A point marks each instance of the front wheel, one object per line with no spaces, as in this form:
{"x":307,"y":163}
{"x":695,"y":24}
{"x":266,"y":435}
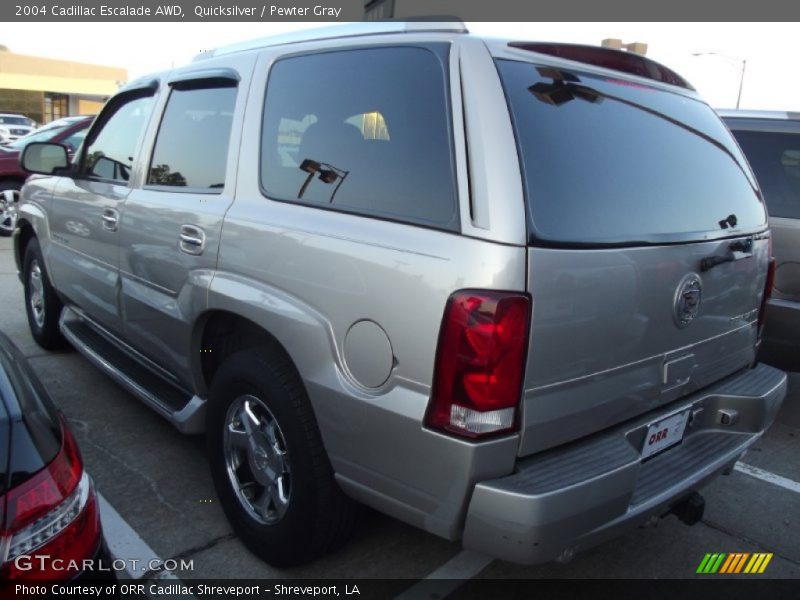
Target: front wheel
{"x":268,"y":462}
{"x":42,"y":305}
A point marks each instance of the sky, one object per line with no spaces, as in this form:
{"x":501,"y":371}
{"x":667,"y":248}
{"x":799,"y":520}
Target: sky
{"x":767,"y":48}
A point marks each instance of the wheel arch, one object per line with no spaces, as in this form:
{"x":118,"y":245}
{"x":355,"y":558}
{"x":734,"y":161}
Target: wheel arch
{"x":218,"y":334}
{"x":22,"y":238}
{"x":18,"y":180}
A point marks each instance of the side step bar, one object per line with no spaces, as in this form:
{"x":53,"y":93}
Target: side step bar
{"x":179,"y":407}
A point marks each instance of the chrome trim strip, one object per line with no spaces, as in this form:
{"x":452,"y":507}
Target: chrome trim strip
{"x":637,"y":362}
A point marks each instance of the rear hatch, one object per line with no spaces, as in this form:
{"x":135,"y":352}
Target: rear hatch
{"x":648,"y":249}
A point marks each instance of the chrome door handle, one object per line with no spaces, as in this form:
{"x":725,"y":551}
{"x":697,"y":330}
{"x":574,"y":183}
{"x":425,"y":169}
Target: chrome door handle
{"x":110,"y":219}
{"x":192,"y":239}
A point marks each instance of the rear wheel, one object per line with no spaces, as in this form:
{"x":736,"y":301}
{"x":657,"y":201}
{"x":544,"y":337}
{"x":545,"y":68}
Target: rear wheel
{"x":9,"y":201}
{"x":268,"y":462}
{"x":42,"y":305}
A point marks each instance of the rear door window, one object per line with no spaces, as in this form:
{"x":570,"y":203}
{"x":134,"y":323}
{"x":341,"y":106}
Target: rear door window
{"x":608,"y":161}
{"x":775,"y":158}
{"x":191,"y":150}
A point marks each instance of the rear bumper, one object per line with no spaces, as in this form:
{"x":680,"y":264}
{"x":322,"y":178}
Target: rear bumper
{"x":581,"y":494}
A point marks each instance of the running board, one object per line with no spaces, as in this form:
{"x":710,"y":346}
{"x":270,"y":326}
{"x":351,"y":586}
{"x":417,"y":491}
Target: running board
{"x":179,"y":407}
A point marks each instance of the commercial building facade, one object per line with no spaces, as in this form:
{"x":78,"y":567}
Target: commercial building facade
{"x":46,"y":89}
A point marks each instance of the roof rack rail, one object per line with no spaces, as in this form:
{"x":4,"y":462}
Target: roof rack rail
{"x":445,"y":25}
{"x":625,"y":62}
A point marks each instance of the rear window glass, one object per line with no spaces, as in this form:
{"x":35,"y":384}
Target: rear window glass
{"x":41,"y":441}
{"x":775,"y":158}
{"x":614,"y":162}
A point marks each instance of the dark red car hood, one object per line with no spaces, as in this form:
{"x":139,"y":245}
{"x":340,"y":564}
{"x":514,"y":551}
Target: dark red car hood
{"x":9,"y":164}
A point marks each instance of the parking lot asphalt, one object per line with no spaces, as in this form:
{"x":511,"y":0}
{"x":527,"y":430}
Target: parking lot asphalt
{"x":158,"y":482}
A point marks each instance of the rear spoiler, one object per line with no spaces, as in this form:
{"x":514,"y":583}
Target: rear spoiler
{"x":616,"y":60}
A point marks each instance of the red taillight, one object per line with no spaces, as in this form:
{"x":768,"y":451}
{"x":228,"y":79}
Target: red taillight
{"x":480,"y":363}
{"x":54,"y":513}
{"x":768,"y":285}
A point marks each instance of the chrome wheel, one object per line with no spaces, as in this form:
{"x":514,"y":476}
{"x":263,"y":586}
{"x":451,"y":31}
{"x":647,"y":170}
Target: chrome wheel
{"x":9,"y":199}
{"x":36,"y":298}
{"x":257,"y":460}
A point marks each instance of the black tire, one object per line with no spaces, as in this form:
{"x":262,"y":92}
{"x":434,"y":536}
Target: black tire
{"x":318,"y":517}
{"x":8,"y":188}
{"x":44,"y":325}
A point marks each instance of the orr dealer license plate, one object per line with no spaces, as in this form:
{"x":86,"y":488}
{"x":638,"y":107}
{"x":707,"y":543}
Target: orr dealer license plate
{"x":664,"y":433}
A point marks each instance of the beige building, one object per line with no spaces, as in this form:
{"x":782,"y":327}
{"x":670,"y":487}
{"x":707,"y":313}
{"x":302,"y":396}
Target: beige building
{"x":45,"y":89}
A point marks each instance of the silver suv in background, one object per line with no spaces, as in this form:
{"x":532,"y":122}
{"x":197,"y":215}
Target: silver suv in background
{"x":771,"y":142}
{"x":508,"y":292}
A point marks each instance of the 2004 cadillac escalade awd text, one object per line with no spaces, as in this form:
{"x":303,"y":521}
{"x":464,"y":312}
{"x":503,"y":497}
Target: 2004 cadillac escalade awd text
{"x":508,"y":292}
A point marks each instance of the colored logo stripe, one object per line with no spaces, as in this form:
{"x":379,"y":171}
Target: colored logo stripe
{"x":741,"y":563}
{"x":732,"y":558}
{"x":723,"y":563}
{"x":758,"y":563}
{"x":711,"y":563}
{"x":734,"y":563}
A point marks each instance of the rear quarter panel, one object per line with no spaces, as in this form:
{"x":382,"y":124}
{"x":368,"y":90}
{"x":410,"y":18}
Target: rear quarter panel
{"x":308,"y":276}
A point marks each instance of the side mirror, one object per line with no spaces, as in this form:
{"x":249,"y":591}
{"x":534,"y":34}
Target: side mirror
{"x":44,"y":158}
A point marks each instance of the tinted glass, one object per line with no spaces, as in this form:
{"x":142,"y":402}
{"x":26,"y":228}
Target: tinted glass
{"x":9,"y":120}
{"x":192,"y":145}
{"x":609,"y":161}
{"x":110,"y":155}
{"x":775,"y":158}
{"x":43,"y":135}
{"x":74,"y":141}
{"x":36,"y":440}
{"x":363,"y":131}
{"x":5,"y":441}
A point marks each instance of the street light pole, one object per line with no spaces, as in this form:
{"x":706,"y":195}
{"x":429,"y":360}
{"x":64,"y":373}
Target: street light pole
{"x":743,"y":62}
{"x":741,"y":83}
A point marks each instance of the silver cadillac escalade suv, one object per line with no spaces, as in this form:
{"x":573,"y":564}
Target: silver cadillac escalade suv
{"x":508,"y":292}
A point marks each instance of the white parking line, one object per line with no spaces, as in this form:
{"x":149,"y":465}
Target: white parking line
{"x":449,"y":577}
{"x":125,"y":544}
{"x":772,"y":478}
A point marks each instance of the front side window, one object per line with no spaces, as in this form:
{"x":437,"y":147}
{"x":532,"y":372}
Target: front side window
{"x":364,"y":131}
{"x":191,"y":149}
{"x":110,"y":154}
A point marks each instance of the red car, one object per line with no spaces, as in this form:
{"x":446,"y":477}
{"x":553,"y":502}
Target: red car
{"x":68,"y":131}
{"x":50,"y":519}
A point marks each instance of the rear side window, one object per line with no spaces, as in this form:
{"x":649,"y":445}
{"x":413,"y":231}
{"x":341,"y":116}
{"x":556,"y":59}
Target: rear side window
{"x":364,"y":131}
{"x":775,"y":158}
{"x":191,"y":149}
{"x":614,"y":162}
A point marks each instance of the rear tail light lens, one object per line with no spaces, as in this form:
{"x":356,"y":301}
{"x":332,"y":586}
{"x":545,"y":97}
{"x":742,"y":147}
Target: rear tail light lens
{"x":480,"y":363}
{"x":53,"y":513}
{"x":770,"y":283}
